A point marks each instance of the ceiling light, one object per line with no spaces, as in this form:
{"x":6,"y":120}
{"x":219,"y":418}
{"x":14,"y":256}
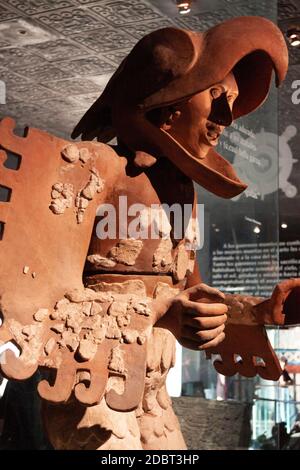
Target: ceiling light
{"x":283,"y":225}
{"x":256,"y":229}
{"x":184,"y":7}
{"x":293,"y":35}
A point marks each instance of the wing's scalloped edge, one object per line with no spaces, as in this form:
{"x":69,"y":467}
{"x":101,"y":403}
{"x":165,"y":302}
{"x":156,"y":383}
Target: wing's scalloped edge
{"x":5,"y":335}
{"x":15,"y":368}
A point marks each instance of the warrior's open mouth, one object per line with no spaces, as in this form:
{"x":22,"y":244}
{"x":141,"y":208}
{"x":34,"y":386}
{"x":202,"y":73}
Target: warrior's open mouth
{"x":213,"y":133}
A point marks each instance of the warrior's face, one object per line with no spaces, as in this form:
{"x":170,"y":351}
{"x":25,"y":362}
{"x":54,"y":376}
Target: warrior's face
{"x":198,"y":123}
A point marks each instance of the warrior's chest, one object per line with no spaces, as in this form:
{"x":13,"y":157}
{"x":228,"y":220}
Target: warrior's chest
{"x":147,"y":224}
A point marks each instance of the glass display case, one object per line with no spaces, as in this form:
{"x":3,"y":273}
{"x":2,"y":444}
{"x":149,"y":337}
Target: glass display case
{"x":252,"y":242}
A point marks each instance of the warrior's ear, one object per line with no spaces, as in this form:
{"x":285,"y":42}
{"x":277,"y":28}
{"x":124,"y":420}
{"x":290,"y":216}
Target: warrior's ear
{"x":173,"y":116}
{"x":164,"y":117}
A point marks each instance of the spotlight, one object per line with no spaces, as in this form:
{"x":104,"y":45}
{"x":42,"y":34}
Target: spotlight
{"x":256,"y":229}
{"x":184,"y":6}
{"x":283,"y":225}
{"x":293,"y":36}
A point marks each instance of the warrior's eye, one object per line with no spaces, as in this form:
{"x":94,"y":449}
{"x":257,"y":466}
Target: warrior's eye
{"x":215,"y":93}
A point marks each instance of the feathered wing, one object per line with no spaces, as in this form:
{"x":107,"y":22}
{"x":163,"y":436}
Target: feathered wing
{"x":95,"y":123}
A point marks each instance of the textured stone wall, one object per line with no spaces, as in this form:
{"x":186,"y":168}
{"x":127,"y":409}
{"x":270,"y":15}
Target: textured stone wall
{"x":213,"y":425}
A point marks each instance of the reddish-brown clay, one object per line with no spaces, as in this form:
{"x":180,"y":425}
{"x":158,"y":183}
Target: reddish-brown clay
{"x":109,"y":343}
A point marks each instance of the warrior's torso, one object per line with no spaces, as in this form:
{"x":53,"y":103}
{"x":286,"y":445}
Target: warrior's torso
{"x":148,"y":268}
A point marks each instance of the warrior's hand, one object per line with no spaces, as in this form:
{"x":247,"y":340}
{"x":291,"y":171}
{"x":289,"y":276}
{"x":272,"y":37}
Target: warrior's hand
{"x":197,"y":317}
{"x":282,"y":308}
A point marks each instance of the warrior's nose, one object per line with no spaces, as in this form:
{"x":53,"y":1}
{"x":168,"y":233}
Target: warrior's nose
{"x":220,"y":111}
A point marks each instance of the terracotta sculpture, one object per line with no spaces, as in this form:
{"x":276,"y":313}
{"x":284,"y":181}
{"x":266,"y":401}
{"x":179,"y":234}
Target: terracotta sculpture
{"x":108,"y":345}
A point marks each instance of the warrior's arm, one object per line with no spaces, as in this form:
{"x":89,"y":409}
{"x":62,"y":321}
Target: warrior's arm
{"x":281,"y":308}
{"x":239,"y":306}
{"x":198,"y":316}
{"x":245,"y":333}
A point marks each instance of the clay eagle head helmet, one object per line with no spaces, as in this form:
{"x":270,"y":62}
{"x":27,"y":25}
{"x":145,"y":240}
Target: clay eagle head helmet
{"x":171,"y":65}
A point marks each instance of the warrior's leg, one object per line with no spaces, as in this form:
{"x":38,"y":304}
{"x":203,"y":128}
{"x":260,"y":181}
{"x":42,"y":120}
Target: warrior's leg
{"x":158,"y":423}
{"x":76,"y":427}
